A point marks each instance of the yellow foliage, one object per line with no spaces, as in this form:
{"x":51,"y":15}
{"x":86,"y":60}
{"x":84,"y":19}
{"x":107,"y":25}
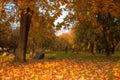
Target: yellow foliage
{"x":70,"y":5}
{"x":0,"y":8}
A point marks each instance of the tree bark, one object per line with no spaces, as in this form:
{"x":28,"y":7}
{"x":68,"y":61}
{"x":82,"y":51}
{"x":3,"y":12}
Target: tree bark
{"x":25,"y":22}
{"x":113,"y":47}
{"x":107,"y":42}
{"x":92,"y":47}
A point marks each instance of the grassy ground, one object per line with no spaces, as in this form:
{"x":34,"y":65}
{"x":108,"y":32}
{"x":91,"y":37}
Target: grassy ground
{"x":63,"y":66}
{"x":83,"y":55}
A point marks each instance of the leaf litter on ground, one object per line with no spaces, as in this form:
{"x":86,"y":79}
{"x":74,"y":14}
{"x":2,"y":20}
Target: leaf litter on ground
{"x":60,"y":69}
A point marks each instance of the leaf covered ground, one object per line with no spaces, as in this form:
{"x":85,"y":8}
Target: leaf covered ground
{"x":60,"y":69}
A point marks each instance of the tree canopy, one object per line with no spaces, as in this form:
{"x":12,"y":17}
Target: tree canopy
{"x":98,"y":20}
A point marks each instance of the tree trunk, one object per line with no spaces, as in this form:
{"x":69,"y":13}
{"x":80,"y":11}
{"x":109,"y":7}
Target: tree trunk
{"x":25,"y":22}
{"x":113,"y":50}
{"x":107,"y":42}
{"x":92,"y":47}
{"x":113,"y":47}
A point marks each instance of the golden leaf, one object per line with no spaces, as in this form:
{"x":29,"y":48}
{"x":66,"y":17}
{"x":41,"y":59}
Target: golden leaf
{"x":1,"y":8}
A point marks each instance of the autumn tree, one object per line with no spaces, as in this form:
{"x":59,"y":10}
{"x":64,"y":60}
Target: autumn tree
{"x":41,"y":34}
{"x":61,"y":44}
{"x":102,"y":14}
{"x":25,"y":11}
{"x":85,"y":36}
{"x":67,"y":40}
{"x":14,"y":39}
{"x":78,"y":11}
{"x":5,"y":35}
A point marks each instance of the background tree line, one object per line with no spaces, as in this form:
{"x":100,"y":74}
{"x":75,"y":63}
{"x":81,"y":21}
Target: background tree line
{"x":95,"y":25}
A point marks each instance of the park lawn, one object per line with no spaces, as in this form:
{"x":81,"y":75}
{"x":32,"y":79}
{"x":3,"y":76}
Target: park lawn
{"x":83,"y":56}
{"x":63,"y":66}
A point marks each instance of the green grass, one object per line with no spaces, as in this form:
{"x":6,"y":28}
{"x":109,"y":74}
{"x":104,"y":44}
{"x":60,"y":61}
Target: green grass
{"x":83,"y":55}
